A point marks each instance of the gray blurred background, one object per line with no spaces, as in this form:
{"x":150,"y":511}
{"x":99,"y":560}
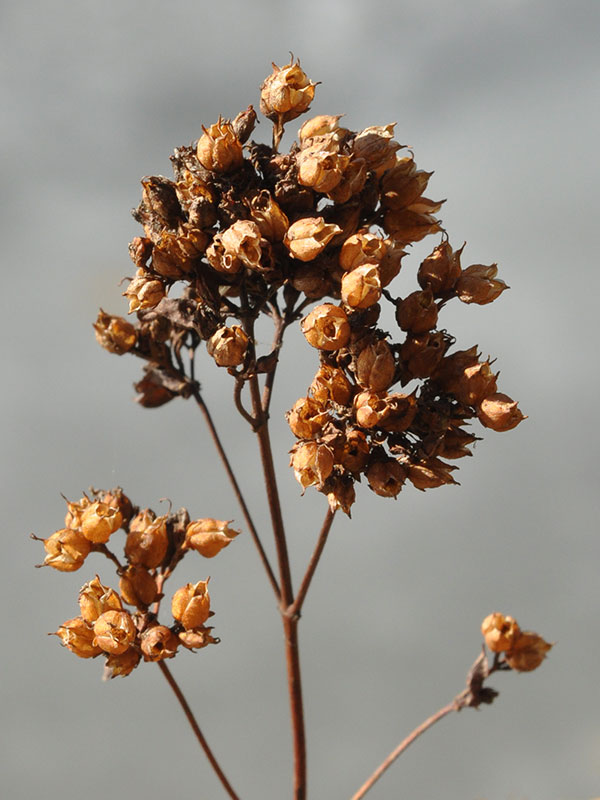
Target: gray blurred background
{"x":501,"y":100}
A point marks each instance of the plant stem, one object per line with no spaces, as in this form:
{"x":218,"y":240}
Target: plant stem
{"x":296,"y":607}
{"x":238,"y":493}
{"x":196,"y":728}
{"x":428,"y":723}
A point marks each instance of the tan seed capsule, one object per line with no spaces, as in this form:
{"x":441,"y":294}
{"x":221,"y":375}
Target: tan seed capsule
{"x":318,"y":126}
{"x":114,"y":631}
{"x":122,"y":664}
{"x":430,"y":473}
{"x":478,"y":284}
{"x":197,"y":638}
{"x":269,"y":217}
{"x":330,"y":385}
{"x":377,"y":147}
{"x":527,"y":652}
{"x":441,"y":269}
{"x":78,"y":637}
{"x":191,"y":604}
{"x":209,"y":536}
{"x":148,"y":546}
{"x":95,"y":599}
{"x":158,"y":643}
{"x":137,"y":586}
{"x":307,"y":418}
{"x":361,"y":287}
{"x":308,"y":237}
{"x":144,"y":291}
{"x":228,"y":346}
{"x":499,"y":632}
{"x":386,"y":478}
{"x":417,"y":313}
{"x":114,"y":334}
{"x":327,"y":327}
{"x":286,"y":93}
{"x":375,"y":366}
{"x":312,"y":463}
{"x":99,"y":521}
{"x":66,"y":550}
{"x":499,"y":412}
{"x":219,"y":149}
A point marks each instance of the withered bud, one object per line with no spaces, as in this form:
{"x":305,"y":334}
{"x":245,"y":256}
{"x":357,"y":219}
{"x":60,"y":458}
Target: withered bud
{"x":197,"y":638}
{"x":95,"y":599}
{"x":121,"y":665}
{"x":330,"y":385}
{"x":144,"y":291}
{"x":478,"y":284}
{"x":244,"y":123}
{"x":318,"y":126}
{"x":147,"y":545}
{"x":327,"y":327}
{"x":191,"y":604}
{"x":209,"y":536}
{"x":527,"y":652}
{"x":375,"y":366}
{"x":152,"y":393}
{"x":386,"y":478}
{"x":228,"y":346}
{"x":219,"y":149}
{"x":430,"y":473}
{"x":158,"y":643}
{"x":417,"y":313}
{"x":66,"y":550}
{"x":312,"y":463}
{"x":114,"y":334}
{"x":159,"y":200}
{"x":99,"y":521}
{"x":78,"y":636}
{"x":499,"y":412}
{"x":499,"y":632}
{"x":341,"y":493}
{"x":286,"y":93}
{"x":361,"y":287}
{"x":441,"y":269}
{"x":114,"y":631}
{"x":137,"y":586}
{"x":377,"y":147}
{"x":269,"y":217}
{"x":308,"y":237}
{"x":307,"y":418}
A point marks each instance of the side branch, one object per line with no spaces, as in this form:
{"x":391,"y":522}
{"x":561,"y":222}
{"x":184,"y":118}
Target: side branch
{"x":196,"y":728}
{"x":296,"y":606}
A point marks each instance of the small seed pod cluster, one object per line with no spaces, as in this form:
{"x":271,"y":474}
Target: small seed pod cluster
{"x":243,"y":230}
{"x":520,"y":650}
{"x":153,"y":547}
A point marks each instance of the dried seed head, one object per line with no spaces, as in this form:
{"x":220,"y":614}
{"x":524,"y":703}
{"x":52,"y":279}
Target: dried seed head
{"x":499,"y":632}
{"x":308,"y":237}
{"x":122,"y":664}
{"x":417,"y":313}
{"x":377,"y":147}
{"x":327,"y":327}
{"x":209,"y":536}
{"x":158,"y":643}
{"x":430,"y":473}
{"x":78,"y":636}
{"x":144,"y":291}
{"x":95,"y":599}
{"x":330,"y":385}
{"x":307,"y":418}
{"x":440,"y":270}
{"x":99,"y":521}
{"x":312,"y":463}
{"x":114,"y":334}
{"x":386,"y":477}
{"x":147,"y":544}
{"x":286,"y":93}
{"x":228,"y":346}
{"x":527,"y":652}
{"x":320,"y":166}
{"x":197,"y":638}
{"x":361,"y":287}
{"x":220,"y":259}
{"x":375,"y":366}
{"x":114,"y":631}
{"x":66,"y":550}
{"x":269,"y":217}
{"x":219,"y":149}
{"x":137,"y":586}
{"x":191,"y":604}
{"x":478,"y":284}
{"x":318,"y":126}
{"x":499,"y":412}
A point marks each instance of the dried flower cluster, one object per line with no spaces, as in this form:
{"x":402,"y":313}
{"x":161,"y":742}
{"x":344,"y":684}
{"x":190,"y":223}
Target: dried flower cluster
{"x":522,"y":651}
{"x":154,"y":545}
{"x":250,"y":231}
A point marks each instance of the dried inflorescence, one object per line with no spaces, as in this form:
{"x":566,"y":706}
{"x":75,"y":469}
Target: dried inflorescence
{"x":153,"y":547}
{"x":520,"y":650}
{"x":249,"y":231}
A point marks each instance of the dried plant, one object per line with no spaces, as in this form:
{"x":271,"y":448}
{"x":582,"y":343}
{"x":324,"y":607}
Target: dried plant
{"x":315,"y":235}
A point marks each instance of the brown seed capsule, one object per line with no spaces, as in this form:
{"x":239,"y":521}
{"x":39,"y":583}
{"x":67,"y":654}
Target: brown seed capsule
{"x":228,"y":346}
{"x":478,"y":284}
{"x":119,"y":500}
{"x":191,"y":604}
{"x":137,"y":586}
{"x":308,"y":237}
{"x":327,"y":327}
{"x":318,"y":126}
{"x":499,"y":632}
{"x":176,"y":253}
{"x":307,"y":418}
{"x":499,"y":412}
{"x":417,"y":313}
{"x":430,"y":473}
{"x":355,"y":452}
{"x":386,"y":478}
{"x":321,"y":166}
{"x":95,"y":599}
{"x":122,"y":664}
{"x":78,"y":636}
{"x":140,"y":250}
{"x":114,"y":631}
{"x":114,"y":334}
{"x":375,"y":366}
{"x":399,"y":413}
{"x":286,"y":93}
{"x":455,"y":443}
{"x":410,"y":226}
{"x":440,"y":270}
{"x":527,"y":652}
{"x":144,"y":291}
{"x":220,"y":259}
{"x":209,"y":536}
{"x":152,"y":393}
{"x":312,"y":463}
{"x":362,"y":248}
{"x":197,"y":638}
{"x":99,"y":521}
{"x":474,"y":384}
{"x":66,"y":550}
{"x":403,"y":184}
{"x":269,"y":217}
{"x":377,"y":147}
{"x":158,"y":643}
{"x":219,"y":149}
{"x":370,"y":408}
{"x":341,"y":493}
{"x":330,"y":385}
{"x":244,"y":123}
{"x":242,"y":241}
{"x":361,"y":287}
{"x":147,"y":546}
{"x":74,"y":512}
{"x":421,"y":353}
{"x":352,"y":182}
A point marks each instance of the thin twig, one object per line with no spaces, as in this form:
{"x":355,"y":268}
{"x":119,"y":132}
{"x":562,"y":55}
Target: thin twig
{"x":237,"y":491}
{"x":429,"y":722}
{"x":280,"y":327}
{"x":196,"y":728}
{"x":296,"y":607}
{"x":237,"y":399}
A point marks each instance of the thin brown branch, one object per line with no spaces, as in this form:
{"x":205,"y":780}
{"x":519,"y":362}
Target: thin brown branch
{"x":280,"y":327}
{"x":237,"y":399}
{"x":296,"y":607}
{"x":196,"y":728}
{"x":238,"y":493}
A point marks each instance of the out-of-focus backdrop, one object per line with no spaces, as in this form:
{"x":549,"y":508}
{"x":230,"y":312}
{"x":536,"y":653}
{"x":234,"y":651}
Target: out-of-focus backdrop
{"x":501,"y":100}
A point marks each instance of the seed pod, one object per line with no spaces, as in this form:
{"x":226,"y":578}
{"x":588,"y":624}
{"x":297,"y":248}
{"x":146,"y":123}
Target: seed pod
{"x":144,"y":291}
{"x":158,"y":643}
{"x":242,"y":241}
{"x":307,"y":418}
{"x":114,"y":631}
{"x":137,"y":586}
{"x":478,"y":284}
{"x":386,"y":477}
{"x":430,"y":473}
{"x":312,"y":463}
{"x":95,"y":599}
{"x":321,"y":166}
{"x":66,"y":550}
{"x":355,"y":451}
{"x":122,"y":664}
{"x":440,"y":270}
{"x":527,"y":652}
{"x":403,"y":185}
{"x":330,"y":385}
{"x":341,"y":493}
{"x":219,"y":149}
{"x":417,"y":313}
{"x":197,"y":638}
{"x":375,"y":366}
{"x":209,"y":536}
{"x":499,"y":632}
{"x":147,"y":546}
{"x":408,"y":225}
{"x":499,"y":412}
{"x":326,"y":327}
{"x":269,"y":217}
{"x":352,"y":182}
{"x":114,"y":334}
{"x":78,"y":636}
{"x":421,"y":353}
{"x":308,"y":237}
{"x":361,"y":287}
{"x":228,"y":346}
{"x":191,"y":604}
{"x":377,"y":147}
{"x":99,"y":521}
{"x":286,"y":93}
{"x":318,"y":126}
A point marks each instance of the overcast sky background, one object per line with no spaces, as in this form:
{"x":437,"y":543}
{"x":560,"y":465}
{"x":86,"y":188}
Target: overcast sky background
{"x":501,"y":100}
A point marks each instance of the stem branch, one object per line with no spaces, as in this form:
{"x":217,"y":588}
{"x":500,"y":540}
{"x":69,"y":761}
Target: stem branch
{"x":296,"y":607}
